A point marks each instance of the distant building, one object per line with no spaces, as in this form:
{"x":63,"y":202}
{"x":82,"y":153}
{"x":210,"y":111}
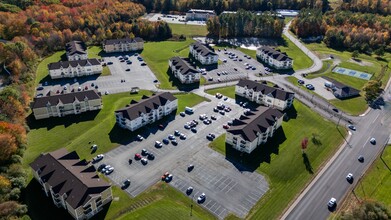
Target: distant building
{"x":146,"y":111}
{"x":250,"y":130}
{"x":76,"y":68}
{"x":123,"y":45}
{"x":264,"y":94}
{"x":184,"y":70}
{"x":66,"y":104}
{"x":199,"y":15}
{"x":203,"y":53}
{"x":76,"y":50}
{"x":274,"y":58}
{"x":71,"y":183}
{"x":340,"y":90}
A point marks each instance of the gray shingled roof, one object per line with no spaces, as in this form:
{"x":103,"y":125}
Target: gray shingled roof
{"x":145,"y":105}
{"x":247,"y":126}
{"x":74,"y":63}
{"x":346,"y":91}
{"x":66,"y":173}
{"x":275,"y":92}
{"x":123,"y":41}
{"x":184,"y":65}
{"x":75,"y":47}
{"x":276,"y":54}
{"x":64,"y":98}
{"x":203,"y":49}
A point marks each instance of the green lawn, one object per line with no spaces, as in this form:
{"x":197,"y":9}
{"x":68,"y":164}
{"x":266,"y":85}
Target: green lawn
{"x":281,"y":159}
{"x":105,"y":71}
{"x":42,"y":70}
{"x":353,"y":106}
{"x":75,"y":132}
{"x":300,"y":59}
{"x":188,"y":30}
{"x":374,"y":66}
{"x":376,"y":184}
{"x":157,"y":54}
{"x":93,"y":52}
{"x":228,"y":91}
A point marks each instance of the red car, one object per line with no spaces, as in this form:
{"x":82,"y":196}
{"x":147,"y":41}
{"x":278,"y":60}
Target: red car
{"x":137,"y":156}
{"x":225,"y":126}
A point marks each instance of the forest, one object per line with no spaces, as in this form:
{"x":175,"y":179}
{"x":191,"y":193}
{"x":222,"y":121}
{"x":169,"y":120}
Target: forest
{"x":367,"y":6}
{"x":245,"y":24}
{"x":14,"y":102}
{"x":48,"y":28}
{"x":364,"y":32}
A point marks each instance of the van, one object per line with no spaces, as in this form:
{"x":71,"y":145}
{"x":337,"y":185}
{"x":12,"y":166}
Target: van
{"x":328,"y":84}
{"x":189,"y":110}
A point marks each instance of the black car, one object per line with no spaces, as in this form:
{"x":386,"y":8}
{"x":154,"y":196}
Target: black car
{"x":194,"y":130}
{"x":177,"y":133}
{"x":143,"y":64}
{"x":336,"y":110}
{"x":190,"y":167}
{"x":101,"y":167}
{"x":174,"y":142}
{"x":125,"y":184}
{"x":166,"y":141}
{"x":144,"y":152}
{"x":151,"y":156}
{"x":213,"y":117}
{"x":130,"y":161}
{"x":361,"y":158}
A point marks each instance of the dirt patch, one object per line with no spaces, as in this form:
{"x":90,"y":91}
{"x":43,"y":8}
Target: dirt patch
{"x":360,"y":62}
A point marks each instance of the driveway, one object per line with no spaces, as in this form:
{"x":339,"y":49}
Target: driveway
{"x":226,"y":188}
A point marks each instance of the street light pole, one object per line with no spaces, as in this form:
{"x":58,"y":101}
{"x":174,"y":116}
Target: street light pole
{"x":191,"y":205}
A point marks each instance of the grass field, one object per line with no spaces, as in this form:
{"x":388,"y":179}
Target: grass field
{"x":157,"y":54}
{"x":376,"y":184}
{"x":75,"y":132}
{"x":281,"y":159}
{"x":188,"y":30}
{"x":228,"y":91}
{"x":42,"y":70}
{"x":301,"y":60}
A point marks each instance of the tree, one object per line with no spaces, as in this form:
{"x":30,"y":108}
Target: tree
{"x":380,"y":51}
{"x":355,"y":54}
{"x":8,"y":146}
{"x":5,"y":184}
{"x":368,"y":210}
{"x":372,"y":90}
{"x":304,"y":144}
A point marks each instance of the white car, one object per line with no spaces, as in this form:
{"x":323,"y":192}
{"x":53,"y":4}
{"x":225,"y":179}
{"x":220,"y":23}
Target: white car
{"x":110,"y":170}
{"x":144,"y":161}
{"x":105,"y":168}
{"x":372,"y":141}
{"x":332,"y":203}
{"x":349,"y":177}
{"x":201,"y":198}
{"x":98,"y":158}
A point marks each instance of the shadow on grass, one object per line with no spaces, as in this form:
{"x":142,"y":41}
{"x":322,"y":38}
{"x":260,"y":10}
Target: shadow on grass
{"x":41,"y":207}
{"x":123,"y":136}
{"x":307,"y":163}
{"x":66,"y":121}
{"x":262,"y":154}
{"x":290,"y":113}
{"x":182,"y":87}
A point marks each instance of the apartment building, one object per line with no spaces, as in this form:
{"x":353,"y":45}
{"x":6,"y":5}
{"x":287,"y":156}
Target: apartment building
{"x":199,"y":15}
{"x":184,"y":70}
{"x":76,"y":50}
{"x":76,"y":68}
{"x":274,"y":58}
{"x":146,"y":111}
{"x":203,"y":53}
{"x":71,"y":183}
{"x":123,"y":45}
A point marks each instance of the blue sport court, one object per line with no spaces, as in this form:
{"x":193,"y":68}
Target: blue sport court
{"x":354,"y":73}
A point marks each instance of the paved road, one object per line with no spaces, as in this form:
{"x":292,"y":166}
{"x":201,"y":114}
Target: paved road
{"x":229,"y":188}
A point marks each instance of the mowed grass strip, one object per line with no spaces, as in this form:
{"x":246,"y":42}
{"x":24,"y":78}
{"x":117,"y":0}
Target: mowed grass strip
{"x":42,"y":70}
{"x":281,"y":160}
{"x":228,"y":91}
{"x":300,"y":59}
{"x":157,"y":54}
{"x":376,"y":184}
{"x":188,"y":30}
{"x":78,"y":132}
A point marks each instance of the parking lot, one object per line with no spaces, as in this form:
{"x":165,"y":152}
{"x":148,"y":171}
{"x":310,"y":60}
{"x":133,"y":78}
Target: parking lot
{"x":234,"y":68}
{"x":120,"y":80}
{"x":174,"y":19}
{"x":227,"y":188}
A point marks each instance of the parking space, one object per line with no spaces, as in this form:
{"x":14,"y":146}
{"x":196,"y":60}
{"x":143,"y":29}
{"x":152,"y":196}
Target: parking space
{"x":123,"y":77}
{"x":235,"y":65}
{"x":226,"y":188}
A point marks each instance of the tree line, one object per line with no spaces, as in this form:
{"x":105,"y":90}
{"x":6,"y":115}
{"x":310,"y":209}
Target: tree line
{"x":245,"y":24}
{"x":49,"y":28}
{"x":230,"y":5}
{"x":367,"y":6}
{"x":364,"y":32}
{"x":21,"y":61}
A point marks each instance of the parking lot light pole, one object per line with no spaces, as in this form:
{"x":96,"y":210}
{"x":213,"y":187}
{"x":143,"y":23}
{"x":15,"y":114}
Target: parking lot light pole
{"x":191,"y":205}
